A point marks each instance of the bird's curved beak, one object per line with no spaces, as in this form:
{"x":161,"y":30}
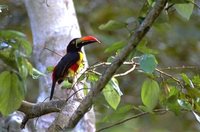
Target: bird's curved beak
{"x":89,"y":39}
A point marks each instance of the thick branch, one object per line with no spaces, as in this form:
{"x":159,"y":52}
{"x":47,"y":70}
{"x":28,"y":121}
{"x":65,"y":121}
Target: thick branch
{"x":118,"y":61}
{"x":36,"y":110}
{"x":32,"y":110}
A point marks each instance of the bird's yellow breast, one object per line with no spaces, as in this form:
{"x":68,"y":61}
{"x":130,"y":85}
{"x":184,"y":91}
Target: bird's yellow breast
{"x":78,"y":64}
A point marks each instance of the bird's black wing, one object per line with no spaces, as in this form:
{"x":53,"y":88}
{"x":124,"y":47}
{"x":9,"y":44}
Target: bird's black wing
{"x":65,"y":63}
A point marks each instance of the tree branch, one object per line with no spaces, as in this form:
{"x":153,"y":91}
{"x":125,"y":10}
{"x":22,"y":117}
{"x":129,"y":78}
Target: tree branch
{"x":32,"y":110}
{"x":118,"y":61}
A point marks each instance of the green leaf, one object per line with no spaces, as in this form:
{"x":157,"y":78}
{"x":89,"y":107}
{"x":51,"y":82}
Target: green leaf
{"x":92,"y":77}
{"x":29,"y":67}
{"x":11,"y":34}
{"x":196,"y":81}
{"x":111,"y":59}
{"x":187,"y":80}
{"x":150,"y":2}
{"x":16,"y":39}
{"x":173,"y":105}
{"x":185,"y":10}
{"x":50,"y":69}
{"x":142,"y":47}
{"x":112,"y":93}
{"x":115,"y":85}
{"x":26,"y":45}
{"x":150,"y":93}
{"x":11,"y":92}
{"x":66,"y":84}
{"x":148,"y":63}
{"x":112,"y":25}
{"x":22,"y":67}
{"x":36,"y":74}
{"x":4,"y":45}
{"x":124,"y":109}
{"x":184,"y":104}
{"x":115,"y":46}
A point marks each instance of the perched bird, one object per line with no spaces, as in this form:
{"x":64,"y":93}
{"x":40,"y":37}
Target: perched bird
{"x":71,"y":61}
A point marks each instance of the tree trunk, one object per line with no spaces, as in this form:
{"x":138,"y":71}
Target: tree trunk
{"x":54,"y":24}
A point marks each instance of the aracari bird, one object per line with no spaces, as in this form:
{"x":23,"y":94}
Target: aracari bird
{"x":71,"y":61}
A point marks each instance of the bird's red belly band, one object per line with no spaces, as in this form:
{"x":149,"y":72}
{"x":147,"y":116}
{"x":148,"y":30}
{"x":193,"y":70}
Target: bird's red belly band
{"x":74,"y":67}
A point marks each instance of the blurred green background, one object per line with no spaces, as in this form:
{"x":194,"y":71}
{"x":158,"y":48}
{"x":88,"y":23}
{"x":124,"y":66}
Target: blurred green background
{"x":176,"y":41}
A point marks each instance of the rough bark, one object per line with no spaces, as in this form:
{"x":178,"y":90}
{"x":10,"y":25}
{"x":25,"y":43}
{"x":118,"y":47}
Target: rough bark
{"x":53,"y":25}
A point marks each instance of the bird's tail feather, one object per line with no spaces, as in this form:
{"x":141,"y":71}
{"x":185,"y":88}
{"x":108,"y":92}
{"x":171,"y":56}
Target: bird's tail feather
{"x":52,"y":89}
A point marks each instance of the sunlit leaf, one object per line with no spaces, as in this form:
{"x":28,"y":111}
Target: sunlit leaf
{"x":11,"y":34}
{"x":112,"y":93}
{"x":184,"y":104}
{"x":50,"y":69}
{"x":36,"y":74}
{"x":4,"y":56}
{"x":148,"y":63}
{"x":16,"y":39}
{"x":29,"y":67}
{"x":112,"y":25}
{"x":4,"y":45}
{"x":22,"y":67}
{"x":196,"y":81}
{"x":193,"y":92}
{"x":150,"y":93}
{"x":187,"y":80}
{"x":11,"y":92}
{"x":185,"y":10}
{"x":26,"y":45}
{"x":66,"y":84}
{"x":92,"y":77}
{"x":111,"y":96}
{"x":172,"y":98}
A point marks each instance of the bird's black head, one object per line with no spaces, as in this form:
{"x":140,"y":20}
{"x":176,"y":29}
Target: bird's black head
{"x":76,"y":44}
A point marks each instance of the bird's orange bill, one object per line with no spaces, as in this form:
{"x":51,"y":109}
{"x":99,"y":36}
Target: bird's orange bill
{"x":89,"y":38}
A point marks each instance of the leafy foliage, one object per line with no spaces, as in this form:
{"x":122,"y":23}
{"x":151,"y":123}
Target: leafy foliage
{"x":171,"y":37}
{"x":111,"y":92}
{"x":172,"y":41}
{"x":11,"y":92}
{"x":14,"y":52}
{"x":185,"y":9}
{"x":150,"y":93}
{"x":148,"y":63}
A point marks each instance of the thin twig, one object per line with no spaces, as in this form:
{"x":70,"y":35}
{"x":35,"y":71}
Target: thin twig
{"x":125,"y":73}
{"x":157,"y":111}
{"x":53,"y":51}
{"x":180,"y":68}
{"x":170,"y":76}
